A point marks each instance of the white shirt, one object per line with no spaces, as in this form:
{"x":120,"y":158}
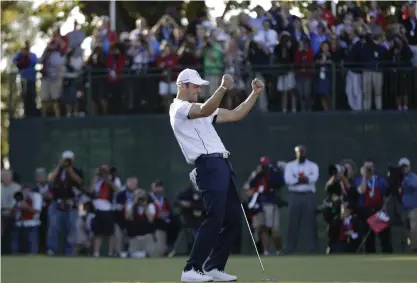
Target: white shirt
{"x":294,"y":169}
{"x":195,"y":136}
{"x":268,"y":37}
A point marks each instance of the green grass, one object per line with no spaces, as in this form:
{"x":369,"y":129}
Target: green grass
{"x":301,"y":269}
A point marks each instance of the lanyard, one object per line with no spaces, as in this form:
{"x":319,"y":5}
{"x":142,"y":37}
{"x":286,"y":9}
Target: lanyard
{"x":371,"y":186}
{"x":159,"y":202}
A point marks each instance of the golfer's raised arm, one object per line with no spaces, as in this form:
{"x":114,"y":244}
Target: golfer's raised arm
{"x":237,"y":114}
{"x":207,"y":108}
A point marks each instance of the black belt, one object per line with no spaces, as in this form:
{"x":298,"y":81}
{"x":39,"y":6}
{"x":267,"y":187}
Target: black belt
{"x":214,"y":155}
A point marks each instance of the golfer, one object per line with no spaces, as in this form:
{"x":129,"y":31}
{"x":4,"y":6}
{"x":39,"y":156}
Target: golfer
{"x":193,"y":128}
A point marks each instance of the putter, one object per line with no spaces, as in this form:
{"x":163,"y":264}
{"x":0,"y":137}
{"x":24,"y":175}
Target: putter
{"x":265,"y":279}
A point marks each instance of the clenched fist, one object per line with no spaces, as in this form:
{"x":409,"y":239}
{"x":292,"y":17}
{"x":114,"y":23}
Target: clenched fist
{"x":257,"y":86}
{"x":227,"y":81}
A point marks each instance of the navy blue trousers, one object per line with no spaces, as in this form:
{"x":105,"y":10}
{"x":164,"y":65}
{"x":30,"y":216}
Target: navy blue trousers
{"x":215,"y":237}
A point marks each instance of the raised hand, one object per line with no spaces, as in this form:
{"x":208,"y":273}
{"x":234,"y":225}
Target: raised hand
{"x":227,"y":81}
{"x":257,"y":86}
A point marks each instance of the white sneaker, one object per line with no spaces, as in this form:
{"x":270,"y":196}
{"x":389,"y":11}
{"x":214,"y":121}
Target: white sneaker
{"x":220,"y":276}
{"x":195,"y":276}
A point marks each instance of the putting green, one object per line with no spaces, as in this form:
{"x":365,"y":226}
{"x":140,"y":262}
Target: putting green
{"x":293,"y":269}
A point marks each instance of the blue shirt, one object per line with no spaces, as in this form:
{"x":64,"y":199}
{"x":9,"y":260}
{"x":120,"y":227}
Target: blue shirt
{"x":410,"y":191}
{"x":317,"y":40}
{"x":29,"y":73}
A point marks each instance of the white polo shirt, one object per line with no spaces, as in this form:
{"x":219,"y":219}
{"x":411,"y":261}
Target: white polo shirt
{"x":195,"y":136}
{"x":294,"y":169}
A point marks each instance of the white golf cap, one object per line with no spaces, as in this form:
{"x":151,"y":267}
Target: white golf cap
{"x":191,"y":76}
{"x":404,"y":162}
{"x":68,"y":154}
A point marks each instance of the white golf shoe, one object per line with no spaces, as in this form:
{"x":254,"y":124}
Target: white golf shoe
{"x":220,"y":276}
{"x":195,"y":276}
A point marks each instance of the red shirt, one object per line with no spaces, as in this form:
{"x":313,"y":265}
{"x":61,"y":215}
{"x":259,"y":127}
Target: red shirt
{"x":26,"y":214}
{"x":330,"y":19}
{"x":166,"y":62}
{"x":105,"y":192}
{"x":303,"y":62}
{"x":116,"y":64}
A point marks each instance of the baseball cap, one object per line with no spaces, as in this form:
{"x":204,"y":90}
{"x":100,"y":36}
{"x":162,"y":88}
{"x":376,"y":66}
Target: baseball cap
{"x":404,"y":162}
{"x":264,"y":160}
{"x":68,"y":154}
{"x":190,"y":76}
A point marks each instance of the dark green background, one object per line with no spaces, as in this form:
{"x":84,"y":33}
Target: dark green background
{"x":144,"y":146}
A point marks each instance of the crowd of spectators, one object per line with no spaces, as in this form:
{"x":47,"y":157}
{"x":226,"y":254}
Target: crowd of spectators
{"x":300,"y":60}
{"x":61,"y":212}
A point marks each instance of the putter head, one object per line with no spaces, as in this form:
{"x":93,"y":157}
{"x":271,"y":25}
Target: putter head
{"x":269,"y":279}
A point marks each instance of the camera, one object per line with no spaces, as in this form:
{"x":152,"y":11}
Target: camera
{"x":395,"y":177}
{"x":337,"y":169}
{"x":18,"y":196}
{"x":67,"y":162}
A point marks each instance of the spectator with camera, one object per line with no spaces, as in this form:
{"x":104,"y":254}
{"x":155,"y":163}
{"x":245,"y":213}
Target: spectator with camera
{"x":264,"y":184}
{"x":26,"y":61}
{"x":26,"y":212}
{"x":373,"y":195}
{"x":63,"y":210}
{"x":103,"y":188}
{"x":409,"y":199}
{"x":140,"y":226}
{"x":301,"y":176}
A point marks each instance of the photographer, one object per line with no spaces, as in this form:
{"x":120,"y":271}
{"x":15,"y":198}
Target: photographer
{"x":139,"y":224}
{"x":264,"y":182}
{"x":344,"y":230}
{"x":372,"y":199}
{"x":341,"y":186}
{"x":26,"y":229}
{"x":409,"y":198}
{"x":340,"y":192}
{"x":63,"y":209}
{"x":26,"y":61}
{"x":103,"y":189}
